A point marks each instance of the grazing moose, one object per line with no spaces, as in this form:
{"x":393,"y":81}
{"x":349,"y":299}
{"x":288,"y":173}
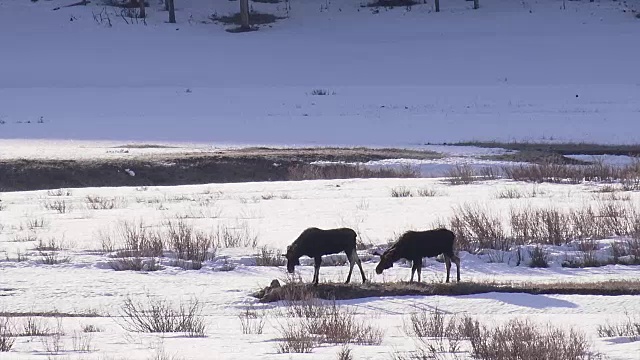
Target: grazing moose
{"x":414,"y":245}
{"x":314,"y":243}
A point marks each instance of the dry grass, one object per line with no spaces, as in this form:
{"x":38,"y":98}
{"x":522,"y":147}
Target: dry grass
{"x":340,"y":291}
{"x":343,"y":171}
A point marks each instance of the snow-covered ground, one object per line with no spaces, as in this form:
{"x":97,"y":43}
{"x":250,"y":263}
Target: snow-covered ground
{"x":276,"y":213}
{"x":73,"y":87}
{"x":526,"y":70}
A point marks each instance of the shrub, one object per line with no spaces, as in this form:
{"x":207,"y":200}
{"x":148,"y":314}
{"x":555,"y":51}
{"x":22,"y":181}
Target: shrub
{"x":33,"y":326}
{"x":629,"y":328}
{"x":240,"y":236}
{"x":339,"y":326}
{"x":269,"y":257}
{"x":154,"y":315}
{"x":295,"y":339}
{"x":95,"y":202}
{"x":345,"y":353}
{"x":7,"y":337}
{"x":251,"y":321}
{"x":53,"y":258}
{"x":509,"y":193}
{"x":427,"y":192}
{"x":138,"y":240}
{"x":401,"y":191}
{"x":460,"y":175}
{"x":189,"y":244}
{"x":538,"y":258}
{"x":59,"y":192}
{"x":520,"y":339}
{"x":322,"y":92}
{"x":59,"y":206}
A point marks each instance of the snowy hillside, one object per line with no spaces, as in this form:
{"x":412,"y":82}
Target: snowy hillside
{"x":533,"y":70}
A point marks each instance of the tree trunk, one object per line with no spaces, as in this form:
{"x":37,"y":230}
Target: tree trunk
{"x":437,"y":5}
{"x":244,"y":14}
{"x":172,"y":12}
{"x":476,"y":4}
{"x":142,"y":9}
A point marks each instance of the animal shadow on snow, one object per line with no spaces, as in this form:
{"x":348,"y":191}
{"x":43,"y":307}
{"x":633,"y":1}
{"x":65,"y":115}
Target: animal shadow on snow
{"x":527,"y":300}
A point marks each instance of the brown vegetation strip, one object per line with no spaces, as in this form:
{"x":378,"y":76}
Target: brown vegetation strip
{"x":339,"y":291}
{"x":226,"y":166}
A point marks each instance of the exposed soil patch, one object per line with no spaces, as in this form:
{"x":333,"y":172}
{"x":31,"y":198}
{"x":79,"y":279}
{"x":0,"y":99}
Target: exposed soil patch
{"x":339,"y":291}
{"x":242,"y":165}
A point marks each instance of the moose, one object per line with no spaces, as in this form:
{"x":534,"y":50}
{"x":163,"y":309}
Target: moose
{"x":414,"y":245}
{"x":314,"y":243}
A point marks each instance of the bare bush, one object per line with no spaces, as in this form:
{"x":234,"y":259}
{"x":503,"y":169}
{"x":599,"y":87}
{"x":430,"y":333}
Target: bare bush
{"x":59,"y":192}
{"x":629,"y":328}
{"x":82,"y":341}
{"x":154,"y":315}
{"x":189,"y":244}
{"x":539,"y":258}
{"x":239,"y":236}
{"x":90,"y":328}
{"x":477,"y":228}
{"x":36,"y":223}
{"x":345,"y":353}
{"x":59,"y":206}
{"x":7,"y":336}
{"x":53,"y":343}
{"x":434,"y":331}
{"x":134,"y":263}
{"x":509,"y":193}
{"x":251,"y":321}
{"x":95,"y":202}
{"x":269,"y":257}
{"x":460,"y":175}
{"x":428,"y":192}
{"x":53,"y":258}
{"x":339,"y":326}
{"x":34,"y":326}
{"x":520,"y":339}
{"x":401,"y":191}
{"x":138,"y":240}
{"x":295,"y":338}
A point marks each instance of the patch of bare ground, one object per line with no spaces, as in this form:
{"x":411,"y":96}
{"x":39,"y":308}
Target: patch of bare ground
{"x":340,"y":291}
{"x":221,"y":166}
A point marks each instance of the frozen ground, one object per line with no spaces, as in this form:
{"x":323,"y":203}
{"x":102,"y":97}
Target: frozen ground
{"x":275,"y":212}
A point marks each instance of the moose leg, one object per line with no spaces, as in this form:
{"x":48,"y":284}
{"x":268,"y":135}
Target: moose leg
{"x":413,"y":269}
{"x":316,"y":269}
{"x":351,"y":263}
{"x":355,"y":255}
{"x":447,"y":261}
{"x":419,"y":268}
{"x":456,"y":260}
